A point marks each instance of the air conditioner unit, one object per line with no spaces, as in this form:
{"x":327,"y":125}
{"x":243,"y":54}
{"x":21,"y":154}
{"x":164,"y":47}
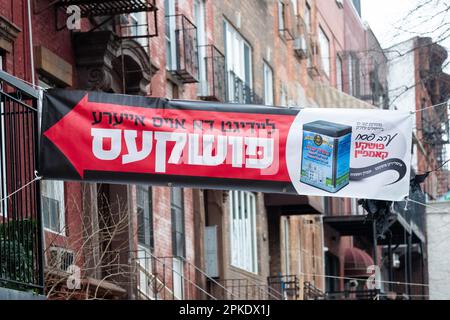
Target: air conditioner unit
{"x":395,"y":261}
{"x":301,"y":47}
{"x":60,"y":258}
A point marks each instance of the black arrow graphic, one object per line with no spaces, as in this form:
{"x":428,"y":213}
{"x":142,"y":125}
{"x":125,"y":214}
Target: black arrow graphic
{"x":358,"y":174}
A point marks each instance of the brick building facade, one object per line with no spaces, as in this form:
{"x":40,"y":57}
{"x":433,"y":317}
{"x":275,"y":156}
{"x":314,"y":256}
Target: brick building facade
{"x":188,"y":243}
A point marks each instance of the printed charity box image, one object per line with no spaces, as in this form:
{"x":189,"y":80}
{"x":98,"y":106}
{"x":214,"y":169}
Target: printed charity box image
{"x":326,"y":155}
{"x":350,"y":153}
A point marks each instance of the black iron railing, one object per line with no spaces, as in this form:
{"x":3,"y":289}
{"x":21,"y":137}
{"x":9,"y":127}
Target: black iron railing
{"x":95,"y":8}
{"x":353,"y":295}
{"x":21,"y":259}
{"x":171,"y":278}
{"x":245,"y":289}
{"x":212,"y":85}
{"x":183,"y":57}
{"x":311,"y":292}
{"x":240,"y":92}
{"x":287,"y":285}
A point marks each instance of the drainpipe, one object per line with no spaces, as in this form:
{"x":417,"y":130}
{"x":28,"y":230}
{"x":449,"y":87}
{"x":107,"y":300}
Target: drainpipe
{"x":30,"y":32}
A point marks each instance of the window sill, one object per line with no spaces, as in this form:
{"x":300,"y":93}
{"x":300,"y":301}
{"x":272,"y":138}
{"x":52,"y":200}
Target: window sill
{"x":62,"y":234}
{"x":253,"y":275}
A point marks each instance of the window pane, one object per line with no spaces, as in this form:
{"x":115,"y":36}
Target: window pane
{"x":339,"y":85}
{"x":268,"y":85}
{"x":144,"y":216}
{"x":324,"y":51}
{"x":50,"y":209}
{"x":280,"y":15}
{"x":243,"y":230}
{"x":177,"y":213}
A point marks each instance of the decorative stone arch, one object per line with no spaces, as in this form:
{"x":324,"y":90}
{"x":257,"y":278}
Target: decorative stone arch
{"x":102,"y":58}
{"x":133,"y":68}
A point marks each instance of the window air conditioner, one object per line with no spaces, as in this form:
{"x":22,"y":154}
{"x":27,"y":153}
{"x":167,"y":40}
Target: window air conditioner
{"x":60,"y":258}
{"x":301,"y":47}
{"x":340,"y":3}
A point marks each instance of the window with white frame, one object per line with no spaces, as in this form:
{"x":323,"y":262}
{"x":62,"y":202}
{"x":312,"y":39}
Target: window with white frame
{"x":144,"y":216}
{"x":353,"y":75}
{"x":178,"y":225}
{"x":281,"y":13}
{"x":294,"y":6}
{"x":243,"y":230}
{"x":139,"y":28}
{"x":52,"y":199}
{"x":283,"y":96}
{"x":268,"y":85}
{"x":170,"y":34}
{"x":238,"y":60}
{"x":308,"y":18}
{"x":308,"y":30}
{"x":200,"y":17}
{"x":324,"y":43}
{"x":350,"y":76}
{"x":339,"y":75}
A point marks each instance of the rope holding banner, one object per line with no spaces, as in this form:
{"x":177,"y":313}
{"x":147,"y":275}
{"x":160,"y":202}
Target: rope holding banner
{"x":37,"y":178}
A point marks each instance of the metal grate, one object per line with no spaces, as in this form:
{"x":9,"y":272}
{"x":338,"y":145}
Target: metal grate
{"x":21,"y":259}
{"x":183,"y":37}
{"x":95,"y":8}
{"x":212,"y":78}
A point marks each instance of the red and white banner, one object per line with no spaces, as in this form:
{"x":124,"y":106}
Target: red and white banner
{"x":112,"y":138}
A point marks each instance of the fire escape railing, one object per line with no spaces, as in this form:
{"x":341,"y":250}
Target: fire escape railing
{"x":240,"y":92}
{"x":172,"y":278}
{"x":311,"y":292}
{"x":246,"y":289}
{"x":21,"y":255}
{"x":287,"y":285}
{"x":183,"y":33}
{"x":95,"y":8}
{"x":212,"y":85}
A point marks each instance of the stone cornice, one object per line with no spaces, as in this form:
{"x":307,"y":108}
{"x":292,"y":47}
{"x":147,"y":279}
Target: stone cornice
{"x":8,"y":33}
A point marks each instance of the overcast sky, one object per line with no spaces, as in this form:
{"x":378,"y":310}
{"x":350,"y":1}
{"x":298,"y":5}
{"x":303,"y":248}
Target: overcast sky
{"x":387,"y":20}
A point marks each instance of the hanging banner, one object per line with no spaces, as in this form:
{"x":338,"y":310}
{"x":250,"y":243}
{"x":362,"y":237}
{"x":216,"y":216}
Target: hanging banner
{"x":101,"y":137}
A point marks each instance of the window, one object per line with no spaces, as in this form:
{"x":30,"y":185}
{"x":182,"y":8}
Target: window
{"x":324,"y":51}
{"x":339,"y":82}
{"x":283,"y":96}
{"x":294,"y":6}
{"x":52,"y":199}
{"x":239,"y":63}
{"x":199,"y":15}
{"x":268,"y":85}
{"x":177,"y":208}
{"x":243,"y":230}
{"x":308,"y":18}
{"x":171,"y":50}
{"x":281,"y":15}
{"x":144,"y":216}
{"x":351,"y":89}
{"x":353,"y":75}
{"x":139,"y":25}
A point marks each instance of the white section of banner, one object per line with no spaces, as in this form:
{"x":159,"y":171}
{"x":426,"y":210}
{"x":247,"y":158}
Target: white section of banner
{"x":351,"y":153}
